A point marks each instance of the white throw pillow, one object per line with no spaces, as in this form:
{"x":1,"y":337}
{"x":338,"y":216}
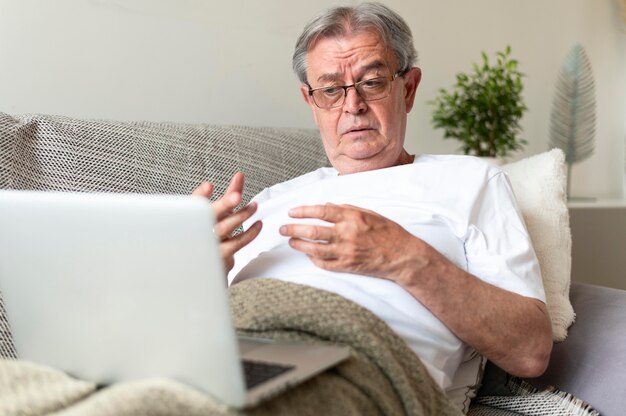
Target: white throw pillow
{"x":539,"y":184}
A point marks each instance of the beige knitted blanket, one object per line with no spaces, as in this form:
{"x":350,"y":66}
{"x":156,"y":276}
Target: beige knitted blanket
{"x":382,"y":376}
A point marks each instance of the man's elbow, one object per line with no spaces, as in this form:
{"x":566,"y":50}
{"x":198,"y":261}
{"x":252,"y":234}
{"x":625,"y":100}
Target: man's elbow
{"x":536,"y":365}
{"x":535,"y":362}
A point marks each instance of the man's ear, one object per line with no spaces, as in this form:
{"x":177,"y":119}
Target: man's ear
{"x":411,"y":82}
{"x":304,"y":90}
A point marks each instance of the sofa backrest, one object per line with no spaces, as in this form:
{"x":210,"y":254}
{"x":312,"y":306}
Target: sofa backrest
{"x":54,"y":153}
{"x":63,"y":154}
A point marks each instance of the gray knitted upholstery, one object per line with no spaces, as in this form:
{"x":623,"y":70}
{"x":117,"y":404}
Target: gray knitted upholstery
{"x":64,"y":154}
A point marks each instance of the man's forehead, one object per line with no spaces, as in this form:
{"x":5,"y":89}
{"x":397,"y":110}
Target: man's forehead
{"x":361,"y":53}
{"x":364,"y":68}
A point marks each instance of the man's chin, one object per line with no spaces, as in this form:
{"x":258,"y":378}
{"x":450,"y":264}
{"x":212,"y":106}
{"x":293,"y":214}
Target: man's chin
{"x":354,"y":162}
{"x":363,"y":150}
{"x":359,"y":156}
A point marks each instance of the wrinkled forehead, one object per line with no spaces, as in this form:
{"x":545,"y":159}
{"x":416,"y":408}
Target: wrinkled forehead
{"x":355,"y":52}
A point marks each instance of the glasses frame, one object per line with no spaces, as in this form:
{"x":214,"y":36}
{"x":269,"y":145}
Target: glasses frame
{"x":340,"y":102}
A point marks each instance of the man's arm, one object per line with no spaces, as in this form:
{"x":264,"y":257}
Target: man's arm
{"x":511,"y":330}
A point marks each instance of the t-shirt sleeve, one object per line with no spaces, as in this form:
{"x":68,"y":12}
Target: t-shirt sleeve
{"x":497,"y":244}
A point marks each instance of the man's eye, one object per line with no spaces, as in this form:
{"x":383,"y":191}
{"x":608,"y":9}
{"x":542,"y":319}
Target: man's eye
{"x":332,"y":91}
{"x":373,"y":84}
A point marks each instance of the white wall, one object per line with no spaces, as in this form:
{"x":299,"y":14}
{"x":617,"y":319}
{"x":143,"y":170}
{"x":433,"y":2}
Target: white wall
{"x":230,"y":62}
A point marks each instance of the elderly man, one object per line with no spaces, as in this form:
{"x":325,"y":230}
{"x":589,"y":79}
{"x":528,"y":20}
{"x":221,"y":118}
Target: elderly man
{"x":434,"y":245}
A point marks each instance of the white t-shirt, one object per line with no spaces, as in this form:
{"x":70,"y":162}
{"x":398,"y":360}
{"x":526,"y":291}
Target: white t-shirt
{"x":460,"y":205}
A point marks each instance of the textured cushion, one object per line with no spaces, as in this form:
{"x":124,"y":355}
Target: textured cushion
{"x":539,"y":185}
{"x":65,"y":154}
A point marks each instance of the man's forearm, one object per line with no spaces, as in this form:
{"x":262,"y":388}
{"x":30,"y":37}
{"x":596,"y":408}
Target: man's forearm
{"x":511,"y":330}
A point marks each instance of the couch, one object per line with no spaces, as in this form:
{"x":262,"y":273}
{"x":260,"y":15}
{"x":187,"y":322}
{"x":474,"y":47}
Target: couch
{"x":64,"y":154}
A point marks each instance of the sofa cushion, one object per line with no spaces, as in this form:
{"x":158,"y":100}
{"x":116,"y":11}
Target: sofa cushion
{"x":64,"y":154}
{"x":539,"y":184}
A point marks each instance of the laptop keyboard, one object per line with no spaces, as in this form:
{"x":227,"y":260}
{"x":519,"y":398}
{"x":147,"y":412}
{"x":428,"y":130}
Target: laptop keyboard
{"x":256,"y":372}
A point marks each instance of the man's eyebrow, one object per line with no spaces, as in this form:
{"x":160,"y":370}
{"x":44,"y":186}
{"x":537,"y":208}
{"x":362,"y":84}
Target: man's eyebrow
{"x":330,"y":77}
{"x":336,"y":76}
{"x":374,"y":66}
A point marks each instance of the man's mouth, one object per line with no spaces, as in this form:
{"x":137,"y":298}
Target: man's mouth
{"x":358,"y":129}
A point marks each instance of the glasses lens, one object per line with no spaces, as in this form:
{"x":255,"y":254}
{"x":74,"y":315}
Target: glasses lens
{"x":368,"y":90}
{"x":374,"y":89}
{"x":329,"y":97}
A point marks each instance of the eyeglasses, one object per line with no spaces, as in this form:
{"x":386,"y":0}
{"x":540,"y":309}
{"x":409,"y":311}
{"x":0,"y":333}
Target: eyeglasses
{"x":369,"y":90}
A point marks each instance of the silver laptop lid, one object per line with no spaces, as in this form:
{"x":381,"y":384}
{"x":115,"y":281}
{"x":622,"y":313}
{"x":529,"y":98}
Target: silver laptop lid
{"x":72,"y":270}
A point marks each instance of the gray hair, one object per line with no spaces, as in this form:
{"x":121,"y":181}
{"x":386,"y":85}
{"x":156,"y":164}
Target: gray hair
{"x":338,"y":21}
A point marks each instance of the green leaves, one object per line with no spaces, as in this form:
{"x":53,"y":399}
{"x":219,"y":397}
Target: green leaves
{"x":484,"y":108}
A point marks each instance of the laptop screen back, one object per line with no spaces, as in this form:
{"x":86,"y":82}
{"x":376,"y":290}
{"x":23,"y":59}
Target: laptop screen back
{"x":111,"y":287}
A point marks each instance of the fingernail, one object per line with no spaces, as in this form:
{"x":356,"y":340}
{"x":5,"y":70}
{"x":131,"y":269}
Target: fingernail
{"x":282,"y":229}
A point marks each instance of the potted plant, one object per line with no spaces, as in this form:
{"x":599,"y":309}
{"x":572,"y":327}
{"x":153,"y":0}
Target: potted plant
{"x":484,"y":108}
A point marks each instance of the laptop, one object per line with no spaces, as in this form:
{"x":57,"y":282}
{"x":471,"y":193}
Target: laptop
{"x":116,"y":287}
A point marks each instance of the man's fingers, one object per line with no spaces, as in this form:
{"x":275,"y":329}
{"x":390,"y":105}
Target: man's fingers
{"x":225,"y":205}
{"x":309,"y":232}
{"x":234,"y":244}
{"x":236,"y":183}
{"x":224,"y":228}
{"x":205,"y":189}
{"x":314,"y":249}
{"x":327,"y":212}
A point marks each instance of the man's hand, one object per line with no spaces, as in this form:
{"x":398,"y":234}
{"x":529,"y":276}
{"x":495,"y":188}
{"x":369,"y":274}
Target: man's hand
{"x":357,"y":241}
{"x":228,"y":220}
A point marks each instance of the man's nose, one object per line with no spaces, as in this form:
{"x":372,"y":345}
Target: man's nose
{"x":354,"y":104}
